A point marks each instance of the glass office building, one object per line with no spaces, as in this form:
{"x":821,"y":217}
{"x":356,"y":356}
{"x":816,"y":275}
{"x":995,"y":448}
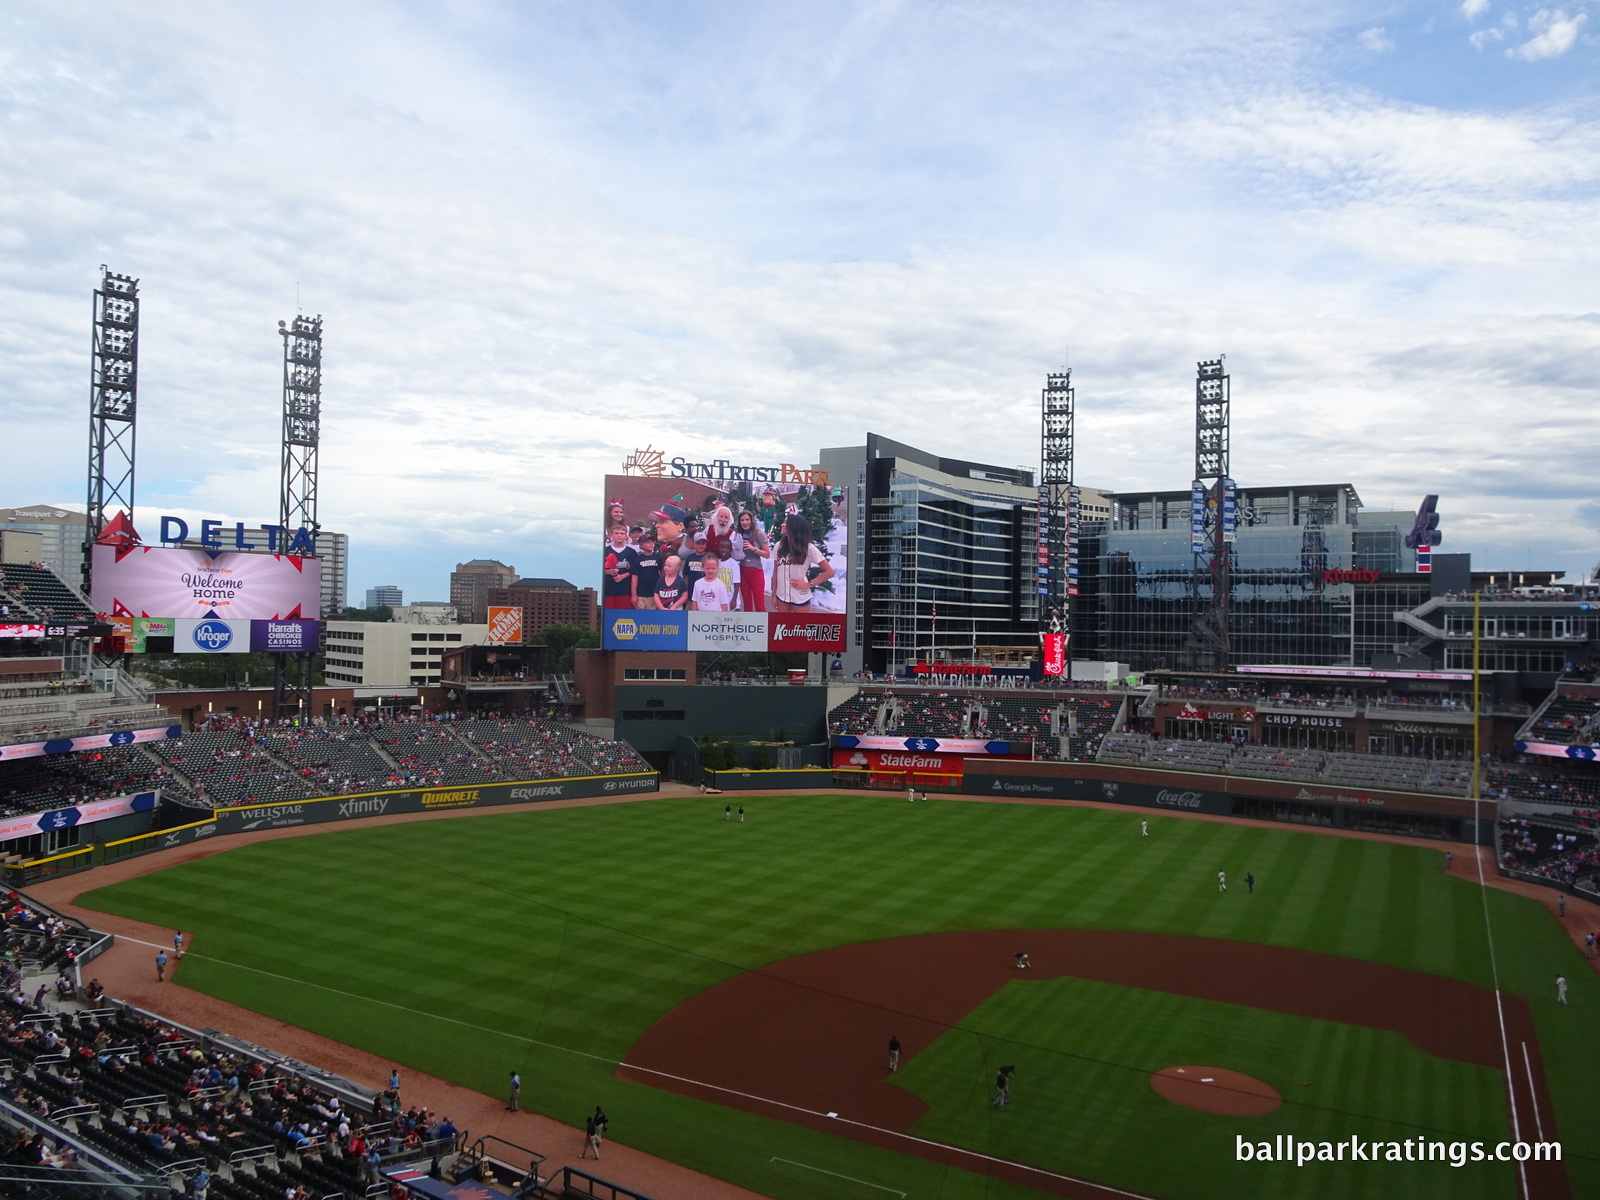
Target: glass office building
{"x":1300,"y":556}
{"x":943,"y":557}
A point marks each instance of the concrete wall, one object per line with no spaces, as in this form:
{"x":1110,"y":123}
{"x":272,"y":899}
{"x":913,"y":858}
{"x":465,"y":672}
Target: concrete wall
{"x":732,"y":711}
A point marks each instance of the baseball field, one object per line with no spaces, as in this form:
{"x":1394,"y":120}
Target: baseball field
{"x":728,"y":991}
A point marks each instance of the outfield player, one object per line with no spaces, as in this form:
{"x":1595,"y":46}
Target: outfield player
{"x":1222,"y":881}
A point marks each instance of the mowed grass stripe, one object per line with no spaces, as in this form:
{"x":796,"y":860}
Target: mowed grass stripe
{"x":583,"y":926}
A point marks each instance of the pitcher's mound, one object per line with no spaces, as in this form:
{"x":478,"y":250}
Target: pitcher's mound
{"x":1215,"y":1090}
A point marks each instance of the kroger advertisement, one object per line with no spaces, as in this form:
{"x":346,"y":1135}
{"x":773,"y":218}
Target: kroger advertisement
{"x":160,"y":581}
{"x":724,"y":557}
{"x":213,"y":635}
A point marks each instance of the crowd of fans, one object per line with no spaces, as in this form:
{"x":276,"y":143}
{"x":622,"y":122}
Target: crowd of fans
{"x":1543,"y":786}
{"x":230,"y":760}
{"x":1006,"y":715}
{"x":146,"y":1094}
{"x":1565,"y":854}
{"x":1573,"y":720}
{"x":30,"y":785}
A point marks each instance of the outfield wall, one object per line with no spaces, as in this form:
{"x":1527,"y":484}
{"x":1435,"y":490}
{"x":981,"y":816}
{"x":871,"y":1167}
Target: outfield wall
{"x":249,"y":817}
{"x":320,"y":809}
{"x":1218,"y":795}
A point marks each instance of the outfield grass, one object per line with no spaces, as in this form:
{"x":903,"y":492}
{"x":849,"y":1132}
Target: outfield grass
{"x":549,"y":941}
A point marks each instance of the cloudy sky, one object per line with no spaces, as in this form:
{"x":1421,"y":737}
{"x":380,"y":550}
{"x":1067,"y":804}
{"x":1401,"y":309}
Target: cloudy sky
{"x":543,"y":234}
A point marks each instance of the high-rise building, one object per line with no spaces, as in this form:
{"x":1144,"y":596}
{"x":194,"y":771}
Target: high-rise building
{"x":333,"y":549}
{"x":943,"y":556}
{"x":62,"y":531}
{"x":1314,"y":580}
{"x":471,"y":582}
{"x":385,"y":595}
{"x":547,"y":602}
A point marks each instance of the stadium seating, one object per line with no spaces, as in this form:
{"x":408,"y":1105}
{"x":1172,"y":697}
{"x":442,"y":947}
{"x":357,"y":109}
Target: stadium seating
{"x":1570,"y":720}
{"x":1022,"y":715}
{"x":1563,"y":852}
{"x":930,"y":714}
{"x":136,"y":1091}
{"x":1271,"y":762}
{"x":859,"y":714}
{"x":1312,"y":766}
{"x":333,"y":760}
{"x":539,"y":748}
{"x":31,"y":785}
{"x":37,"y":592}
{"x":1581,"y":785}
{"x":226,"y":766}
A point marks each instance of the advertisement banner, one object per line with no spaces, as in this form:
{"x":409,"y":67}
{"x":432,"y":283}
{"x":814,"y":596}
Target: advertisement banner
{"x":888,"y":762}
{"x":21,"y":631}
{"x":927,"y":745}
{"x":92,"y":741}
{"x":727,"y":631}
{"x":83,"y":814}
{"x":645,"y":630}
{"x":776,"y":539}
{"x":210,"y":636}
{"x":810,"y":631}
{"x":249,"y":818}
{"x":283,"y":637}
{"x":505,"y":626}
{"x":1054,"y":654}
{"x":165,"y":582}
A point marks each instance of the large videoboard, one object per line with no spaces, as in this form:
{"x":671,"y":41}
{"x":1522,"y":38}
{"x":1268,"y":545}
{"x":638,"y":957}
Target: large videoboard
{"x":179,"y":584}
{"x":700,"y":562}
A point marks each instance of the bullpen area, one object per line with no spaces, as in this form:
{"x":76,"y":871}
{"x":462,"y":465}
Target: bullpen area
{"x":728,"y":989}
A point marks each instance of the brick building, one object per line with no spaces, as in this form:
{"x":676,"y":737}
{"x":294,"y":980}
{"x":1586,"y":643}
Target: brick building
{"x":548,"y":602}
{"x":471,"y":582}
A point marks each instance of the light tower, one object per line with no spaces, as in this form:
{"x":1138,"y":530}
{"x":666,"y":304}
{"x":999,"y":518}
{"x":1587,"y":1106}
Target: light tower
{"x":1057,"y":571}
{"x":1211,"y":518}
{"x":113,"y":404}
{"x":297,"y":501}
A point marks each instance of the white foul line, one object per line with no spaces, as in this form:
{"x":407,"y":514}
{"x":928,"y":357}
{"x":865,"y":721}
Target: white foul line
{"x":714,"y":1087}
{"x":1532,"y":1091}
{"x":836,"y":1175}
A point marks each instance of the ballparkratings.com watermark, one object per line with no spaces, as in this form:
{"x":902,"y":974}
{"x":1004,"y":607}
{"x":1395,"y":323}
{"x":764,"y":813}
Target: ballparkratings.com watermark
{"x":1286,"y":1148}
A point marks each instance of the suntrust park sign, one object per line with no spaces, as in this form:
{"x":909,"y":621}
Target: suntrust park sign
{"x":722,"y":469}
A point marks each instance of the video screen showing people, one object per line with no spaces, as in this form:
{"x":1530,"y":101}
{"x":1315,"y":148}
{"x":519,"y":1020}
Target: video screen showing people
{"x":722,"y":545}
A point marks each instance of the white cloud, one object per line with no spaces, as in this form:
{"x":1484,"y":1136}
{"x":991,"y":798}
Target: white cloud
{"x":539,"y":245}
{"x":1483,"y":37}
{"x":1555,"y":34}
{"x":1473,"y":9}
{"x":1375,"y":40}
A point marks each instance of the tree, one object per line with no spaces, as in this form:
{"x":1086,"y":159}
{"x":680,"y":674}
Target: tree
{"x":560,"y":640}
{"x":381,"y":613}
{"x":763,"y":759}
